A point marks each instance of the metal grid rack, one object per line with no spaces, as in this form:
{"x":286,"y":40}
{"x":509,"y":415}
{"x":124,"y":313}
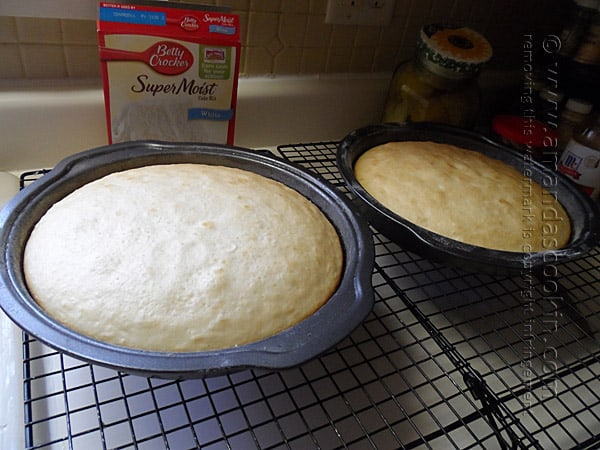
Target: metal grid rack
{"x":446,"y":359}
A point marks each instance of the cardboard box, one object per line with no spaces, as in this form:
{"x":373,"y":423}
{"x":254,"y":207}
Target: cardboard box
{"x":169,"y":71}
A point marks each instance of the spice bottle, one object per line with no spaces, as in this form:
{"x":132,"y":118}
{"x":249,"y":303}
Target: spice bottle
{"x":440,"y":83}
{"x":580,"y":74}
{"x":575,"y":112}
{"x":581,"y":159}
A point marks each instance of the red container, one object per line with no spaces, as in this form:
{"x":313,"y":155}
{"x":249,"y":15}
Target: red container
{"x":526,"y":134}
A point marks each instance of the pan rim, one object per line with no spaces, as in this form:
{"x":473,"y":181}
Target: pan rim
{"x":352,"y":300}
{"x":444,"y":249}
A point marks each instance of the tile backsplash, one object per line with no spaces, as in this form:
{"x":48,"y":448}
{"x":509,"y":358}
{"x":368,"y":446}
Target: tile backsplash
{"x":289,"y":37}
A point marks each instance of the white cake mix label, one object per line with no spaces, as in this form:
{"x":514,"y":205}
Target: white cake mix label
{"x":582,"y":165}
{"x":169,"y":73}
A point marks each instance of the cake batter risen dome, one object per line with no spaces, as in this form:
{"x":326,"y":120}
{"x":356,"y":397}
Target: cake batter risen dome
{"x":464,"y":195}
{"x":182,"y":257}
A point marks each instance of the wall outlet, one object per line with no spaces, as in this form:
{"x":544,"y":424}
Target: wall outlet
{"x":359,"y":12}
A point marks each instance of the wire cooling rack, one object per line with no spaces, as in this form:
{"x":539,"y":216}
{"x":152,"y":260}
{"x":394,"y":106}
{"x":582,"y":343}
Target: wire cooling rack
{"x":447,"y":359}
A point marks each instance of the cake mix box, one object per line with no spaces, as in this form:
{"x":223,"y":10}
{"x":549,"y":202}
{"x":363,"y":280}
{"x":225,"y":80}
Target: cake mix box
{"x":169,"y":71}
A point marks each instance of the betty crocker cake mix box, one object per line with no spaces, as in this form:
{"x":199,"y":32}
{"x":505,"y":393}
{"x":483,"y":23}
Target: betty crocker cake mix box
{"x":169,"y":71}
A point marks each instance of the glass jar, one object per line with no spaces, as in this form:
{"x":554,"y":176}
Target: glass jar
{"x":440,"y":83}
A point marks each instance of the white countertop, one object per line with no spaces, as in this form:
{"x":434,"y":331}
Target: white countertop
{"x":41,"y":125}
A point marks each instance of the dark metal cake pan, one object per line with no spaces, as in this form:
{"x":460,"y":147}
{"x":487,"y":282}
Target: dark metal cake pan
{"x":344,"y":311}
{"x":584,"y":215}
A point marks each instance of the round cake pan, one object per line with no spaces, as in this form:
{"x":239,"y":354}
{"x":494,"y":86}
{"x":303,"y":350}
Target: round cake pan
{"x":344,"y":311}
{"x":584,"y":215}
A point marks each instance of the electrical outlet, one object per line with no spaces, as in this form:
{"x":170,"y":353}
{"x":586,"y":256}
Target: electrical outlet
{"x":359,"y":12}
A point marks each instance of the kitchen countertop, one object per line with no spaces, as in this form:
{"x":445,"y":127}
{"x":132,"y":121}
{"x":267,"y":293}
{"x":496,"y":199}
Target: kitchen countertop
{"x":41,"y":125}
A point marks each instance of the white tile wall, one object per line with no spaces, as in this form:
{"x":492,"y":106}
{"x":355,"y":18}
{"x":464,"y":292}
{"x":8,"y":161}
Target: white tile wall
{"x":288,"y":37}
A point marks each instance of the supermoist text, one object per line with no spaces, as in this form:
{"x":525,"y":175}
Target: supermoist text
{"x":183,"y":86}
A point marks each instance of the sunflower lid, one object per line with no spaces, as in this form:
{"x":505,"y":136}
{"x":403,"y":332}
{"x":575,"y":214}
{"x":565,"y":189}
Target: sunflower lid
{"x":453,"y":51}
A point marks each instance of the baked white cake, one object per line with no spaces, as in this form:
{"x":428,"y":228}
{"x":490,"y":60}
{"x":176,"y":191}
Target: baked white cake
{"x":464,"y":195}
{"x":183,"y":257}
